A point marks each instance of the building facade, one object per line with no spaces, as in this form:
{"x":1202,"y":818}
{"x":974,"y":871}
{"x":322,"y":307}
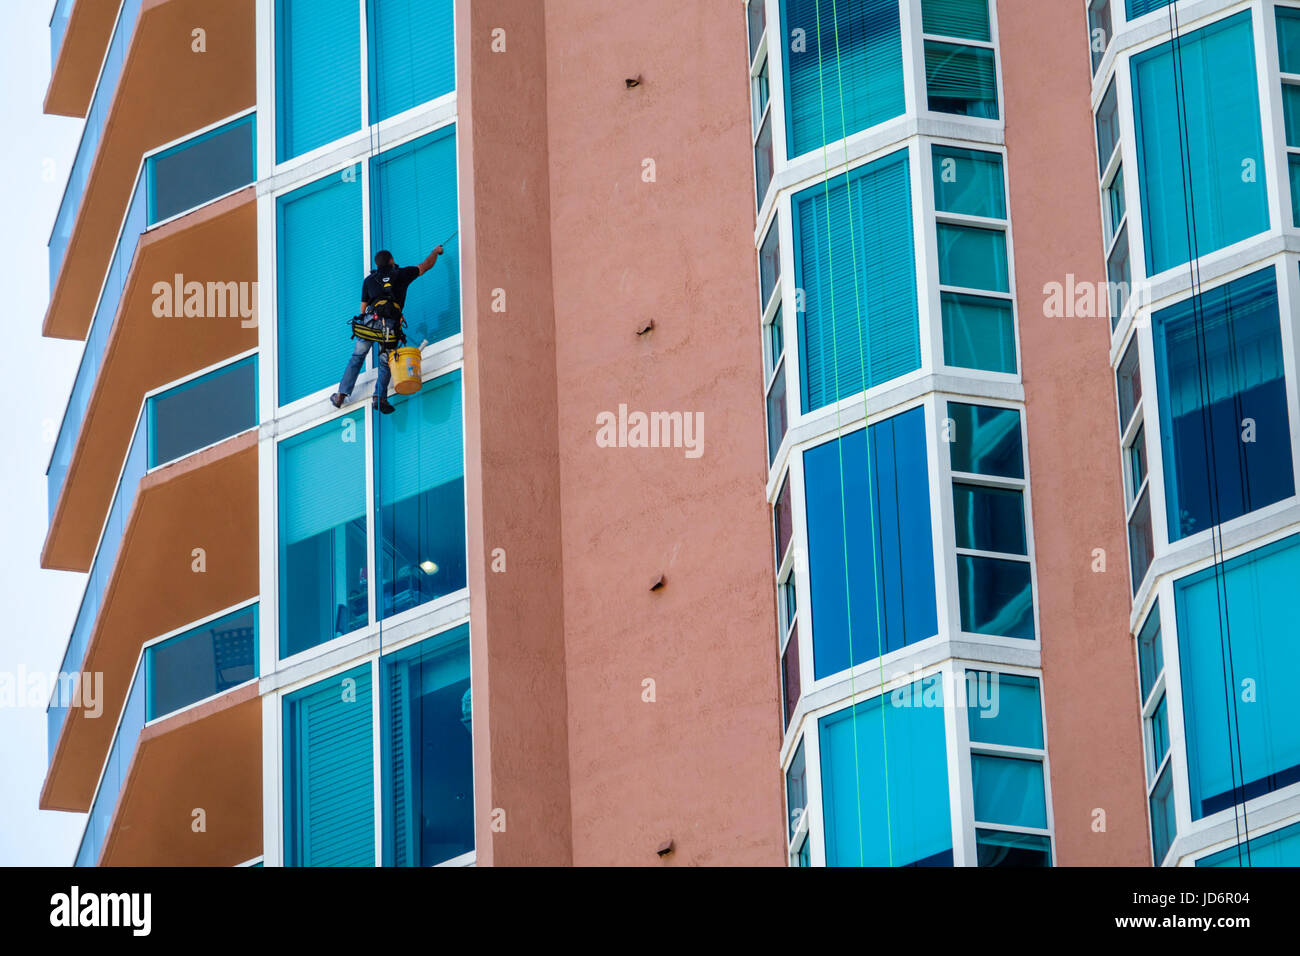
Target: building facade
{"x":825,"y":351}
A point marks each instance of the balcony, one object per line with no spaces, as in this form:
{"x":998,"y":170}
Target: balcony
{"x":79,"y":32}
{"x":135,"y":109}
{"x":147,"y":578}
{"x":172,"y":226}
{"x":189,"y":736}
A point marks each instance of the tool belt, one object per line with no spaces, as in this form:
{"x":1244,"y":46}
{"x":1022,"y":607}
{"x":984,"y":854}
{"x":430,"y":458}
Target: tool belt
{"x":382,"y":322}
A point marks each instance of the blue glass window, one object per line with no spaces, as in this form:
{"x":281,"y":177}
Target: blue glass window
{"x":329,"y":798}
{"x":989,"y":519}
{"x":428,"y":780}
{"x":201,"y":663}
{"x":855,"y":262}
{"x":412,"y":54}
{"x":1201,"y":113}
{"x":968,"y":182}
{"x":203,"y":412}
{"x":881,"y":526}
{"x":201,"y":169}
{"x":1151,"y":655}
{"x":844,"y":68}
{"x":978,"y":333}
{"x":985,"y":440}
{"x":1000,"y":848}
{"x":899,"y":818}
{"x":1279,"y":848}
{"x":1164,"y":824}
{"x":796,"y":790}
{"x":1004,"y":709}
{"x":321,"y":262}
{"x":323,"y":587}
{"x":421,"y":485}
{"x":1107,"y":127}
{"x":317,"y":74}
{"x":1158,"y":736}
{"x":413,"y":209}
{"x":1288,"y":39}
{"x":1137,"y":8}
{"x":1009,"y":791}
{"x":1244,"y":611}
{"x":1224,"y":426}
{"x":967,"y":19}
{"x":996,"y":597}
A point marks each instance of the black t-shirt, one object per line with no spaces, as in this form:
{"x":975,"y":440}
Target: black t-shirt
{"x":399,"y":280}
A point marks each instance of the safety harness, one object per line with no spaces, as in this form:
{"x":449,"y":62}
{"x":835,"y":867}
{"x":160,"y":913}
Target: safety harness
{"x":382,"y":321}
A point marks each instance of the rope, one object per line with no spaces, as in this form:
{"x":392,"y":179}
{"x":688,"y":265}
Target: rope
{"x":1240,"y":821}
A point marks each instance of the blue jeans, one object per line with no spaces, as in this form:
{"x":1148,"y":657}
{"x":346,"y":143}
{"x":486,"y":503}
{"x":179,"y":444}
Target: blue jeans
{"x":359,"y":352}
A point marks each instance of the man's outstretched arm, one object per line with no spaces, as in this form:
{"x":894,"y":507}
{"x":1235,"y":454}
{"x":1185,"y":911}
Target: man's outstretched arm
{"x":427,"y":264}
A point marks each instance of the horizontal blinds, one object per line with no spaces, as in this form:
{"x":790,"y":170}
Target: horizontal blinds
{"x":321,"y":261}
{"x":420,"y":444}
{"x":863,"y":73}
{"x":1137,"y":8}
{"x":322,"y":478}
{"x":861,"y":312}
{"x":318,"y":73}
{"x":968,"y":19}
{"x":331,"y":807}
{"x":412,"y":54}
{"x":413,"y":209}
{"x":966,"y":73}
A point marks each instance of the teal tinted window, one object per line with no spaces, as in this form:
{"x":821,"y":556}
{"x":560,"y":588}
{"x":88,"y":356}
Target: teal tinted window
{"x":202,"y":412}
{"x":796,"y":790}
{"x":769,"y":263}
{"x":428,"y":779}
{"x":1291,"y":113}
{"x":1004,"y":709}
{"x":978,"y":333}
{"x":999,"y":848}
{"x":413,"y":209}
{"x":968,"y":19}
{"x":1225,"y":430}
{"x":1137,"y":8}
{"x":323,"y":587}
{"x":1008,"y":791}
{"x":897,"y":819}
{"x":1107,"y":126}
{"x":985,"y":441}
{"x":1115,"y":200}
{"x":844,"y":68}
{"x":317,"y":73}
{"x":961,"y":79}
{"x":855,"y":262}
{"x":321,"y":261}
{"x":412,"y":54}
{"x":969,"y":182}
{"x":1213,"y":112}
{"x":972,"y":258}
{"x":1279,"y":848}
{"x":989,"y":519}
{"x":1158,"y":736}
{"x":1164,"y":823}
{"x":200,"y":663}
{"x":996,"y":596}
{"x":1293,"y":172}
{"x":1288,"y":39}
{"x":421,"y":485}
{"x":1252,"y":748}
{"x":1151,"y":655}
{"x":329,"y":798}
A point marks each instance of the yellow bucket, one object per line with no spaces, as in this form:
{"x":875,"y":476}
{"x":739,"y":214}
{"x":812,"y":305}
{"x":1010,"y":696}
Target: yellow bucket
{"x":405,"y":366}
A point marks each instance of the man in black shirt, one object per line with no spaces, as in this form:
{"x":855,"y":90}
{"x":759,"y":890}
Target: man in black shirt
{"x":383,"y":295}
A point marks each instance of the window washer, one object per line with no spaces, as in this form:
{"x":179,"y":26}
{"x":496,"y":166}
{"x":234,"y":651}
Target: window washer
{"x":383,"y":294}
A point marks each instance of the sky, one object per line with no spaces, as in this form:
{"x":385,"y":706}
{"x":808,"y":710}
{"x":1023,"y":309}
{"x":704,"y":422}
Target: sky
{"x":35,"y":153}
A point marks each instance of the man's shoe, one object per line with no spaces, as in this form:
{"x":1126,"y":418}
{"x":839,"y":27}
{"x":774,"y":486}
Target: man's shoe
{"x":337,"y":399}
{"x":383,"y":405}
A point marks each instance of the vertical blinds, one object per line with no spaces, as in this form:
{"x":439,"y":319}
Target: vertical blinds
{"x":868,"y":69}
{"x":412,"y":54}
{"x":321,"y":263}
{"x":1225,"y":184}
{"x":329,"y":792}
{"x":322,"y":478}
{"x":317,"y":74}
{"x":856,"y":310}
{"x":412,"y":209}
